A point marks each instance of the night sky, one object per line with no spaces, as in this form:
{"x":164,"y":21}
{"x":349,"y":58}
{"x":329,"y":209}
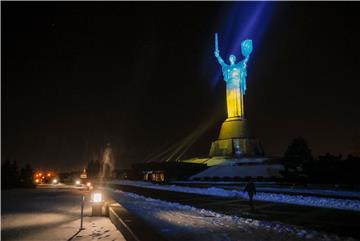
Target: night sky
{"x":141,"y":75}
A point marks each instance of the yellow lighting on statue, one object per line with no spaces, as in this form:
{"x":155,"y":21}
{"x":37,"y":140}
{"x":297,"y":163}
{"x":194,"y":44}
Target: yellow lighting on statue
{"x":234,"y":100}
{"x":235,"y":77}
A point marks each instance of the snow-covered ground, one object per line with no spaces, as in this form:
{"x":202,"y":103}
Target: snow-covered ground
{"x":272,"y":187}
{"x":51,"y":214}
{"x":338,"y":193}
{"x":249,"y":167}
{"x":181,"y":222}
{"x":325,"y":202}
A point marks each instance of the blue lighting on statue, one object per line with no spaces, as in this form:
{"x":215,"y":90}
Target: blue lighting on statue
{"x":235,"y":73}
{"x":242,"y":20}
{"x":235,"y":78}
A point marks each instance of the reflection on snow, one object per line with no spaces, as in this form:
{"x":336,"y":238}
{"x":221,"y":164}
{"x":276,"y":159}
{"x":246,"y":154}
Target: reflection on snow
{"x":32,"y":219}
{"x":183,"y":222}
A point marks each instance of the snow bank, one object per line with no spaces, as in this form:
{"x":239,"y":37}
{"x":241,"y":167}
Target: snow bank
{"x":339,"y":193}
{"x":183,"y":222}
{"x":273,"y":186}
{"x":231,"y":169}
{"x":324,"y":202}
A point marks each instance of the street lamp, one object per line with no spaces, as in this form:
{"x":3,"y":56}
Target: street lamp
{"x":89,"y":186}
{"x":96,"y":197}
{"x":97,"y":203}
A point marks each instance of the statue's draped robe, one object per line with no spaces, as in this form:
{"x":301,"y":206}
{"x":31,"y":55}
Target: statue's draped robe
{"x":235,"y":78}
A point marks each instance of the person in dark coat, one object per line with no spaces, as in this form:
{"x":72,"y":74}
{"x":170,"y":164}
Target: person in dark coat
{"x":251,"y":191}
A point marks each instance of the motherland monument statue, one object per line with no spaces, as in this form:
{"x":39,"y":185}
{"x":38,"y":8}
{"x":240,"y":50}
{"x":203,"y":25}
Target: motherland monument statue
{"x":235,"y":77}
{"x":235,"y":139}
{"x":236,"y":153}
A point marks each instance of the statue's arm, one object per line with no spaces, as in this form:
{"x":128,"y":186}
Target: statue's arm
{"x":246,"y":60}
{"x":243,"y":63}
{"x":220,"y":60}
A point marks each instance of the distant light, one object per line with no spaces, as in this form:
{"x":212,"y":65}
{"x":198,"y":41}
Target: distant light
{"x":55,"y":181}
{"x":97,"y":197}
{"x":48,"y":174}
{"x":37,"y":180}
{"x":77,"y":182}
{"x":88,"y":184}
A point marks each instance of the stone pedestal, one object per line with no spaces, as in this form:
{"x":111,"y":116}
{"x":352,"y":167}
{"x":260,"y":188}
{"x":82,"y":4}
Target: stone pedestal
{"x":235,"y":140}
{"x":97,"y":209}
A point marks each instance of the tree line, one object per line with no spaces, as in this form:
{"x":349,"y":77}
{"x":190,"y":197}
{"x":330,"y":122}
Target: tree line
{"x":14,"y":177}
{"x":300,"y":166}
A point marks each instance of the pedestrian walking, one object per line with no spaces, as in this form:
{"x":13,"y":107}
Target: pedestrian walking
{"x":251,"y":191}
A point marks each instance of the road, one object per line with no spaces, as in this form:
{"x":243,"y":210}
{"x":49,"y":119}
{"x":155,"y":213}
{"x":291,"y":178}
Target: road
{"x":339,"y":222}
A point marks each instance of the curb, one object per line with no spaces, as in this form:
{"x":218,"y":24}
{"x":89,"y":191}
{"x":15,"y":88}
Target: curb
{"x":130,"y":226}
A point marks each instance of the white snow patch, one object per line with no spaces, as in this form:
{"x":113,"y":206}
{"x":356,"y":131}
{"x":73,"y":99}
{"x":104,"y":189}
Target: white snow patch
{"x":272,"y":186}
{"x":231,"y":169}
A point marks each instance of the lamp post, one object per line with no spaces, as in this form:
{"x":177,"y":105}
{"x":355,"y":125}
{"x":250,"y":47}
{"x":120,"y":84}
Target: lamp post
{"x":97,"y":203}
{"x":82,"y":213}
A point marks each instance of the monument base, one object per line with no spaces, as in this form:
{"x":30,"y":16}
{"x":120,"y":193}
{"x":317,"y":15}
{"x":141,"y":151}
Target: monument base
{"x":236,"y":154}
{"x":235,"y":140}
{"x":221,"y":168}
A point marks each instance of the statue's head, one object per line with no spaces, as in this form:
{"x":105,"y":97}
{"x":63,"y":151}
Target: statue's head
{"x":232,"y":59}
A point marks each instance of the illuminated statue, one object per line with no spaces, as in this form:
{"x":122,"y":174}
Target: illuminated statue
{"x":235,"y":78}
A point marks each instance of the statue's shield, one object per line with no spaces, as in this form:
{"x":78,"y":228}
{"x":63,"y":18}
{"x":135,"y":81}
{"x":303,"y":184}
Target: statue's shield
{"x":246,"y":47}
